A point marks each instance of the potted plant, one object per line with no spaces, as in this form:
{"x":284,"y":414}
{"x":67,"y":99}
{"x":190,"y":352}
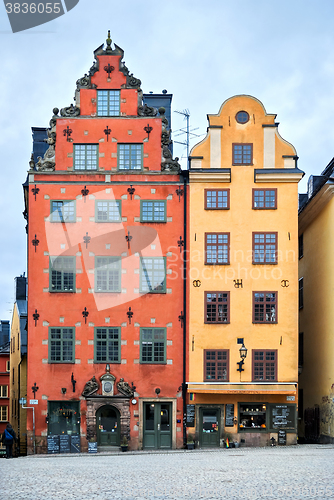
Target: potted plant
{"x":190,"y":442}
{"x":124,"y":444}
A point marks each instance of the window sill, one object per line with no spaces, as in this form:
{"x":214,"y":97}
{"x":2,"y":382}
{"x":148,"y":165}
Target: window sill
{"x":216,"y":263}
{"x":153,"y":363}
{"x":264,"y":263}
{"x":265,"y":322}
{"x":216,"y":323}
{"x":106,"y":361}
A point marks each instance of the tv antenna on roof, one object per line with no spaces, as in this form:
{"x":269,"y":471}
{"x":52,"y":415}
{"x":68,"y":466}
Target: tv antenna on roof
{"x":187,"y":131}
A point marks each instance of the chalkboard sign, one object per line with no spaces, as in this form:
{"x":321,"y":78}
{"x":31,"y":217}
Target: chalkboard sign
{"x":75,"y":444}
{"x":53,"y":444}
{"x":92,"y":447}
{"x":283,"y":417}
{"x":64,"y":443}
{"x":281,"y":436}
{"x":229,"y":415}
{"x":190,"y":415}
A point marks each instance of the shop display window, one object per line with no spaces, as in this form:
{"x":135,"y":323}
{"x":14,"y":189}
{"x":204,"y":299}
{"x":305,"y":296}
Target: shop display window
{"x":252,"y":416}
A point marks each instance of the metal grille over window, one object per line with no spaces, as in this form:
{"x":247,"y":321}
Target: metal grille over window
{"x":107,"y":345}
{"x":129,"y":156}
{"x":62,"y":274}
{"x":108,"y":274}
{"x":62,"y":345}
{"x":108,"y":103}
{"x":153,"y":275}
{"x":153,"y":211}
{"x":108,"y":211}
{"x":217,"y":248}
{"x":85,"y":156}
{"x":63,"y":211}
{"x":265,"y":306}
{"x":153,"y":345}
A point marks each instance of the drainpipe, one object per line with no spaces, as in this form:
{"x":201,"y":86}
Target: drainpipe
{"x":184,"y":385}
{"x":33,"y":423}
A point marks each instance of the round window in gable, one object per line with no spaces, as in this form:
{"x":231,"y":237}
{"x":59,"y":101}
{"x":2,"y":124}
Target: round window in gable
{"x":242,"y":117}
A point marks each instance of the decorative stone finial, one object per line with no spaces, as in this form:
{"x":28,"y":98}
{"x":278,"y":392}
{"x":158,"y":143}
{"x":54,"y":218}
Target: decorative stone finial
{"x":108,"y":42}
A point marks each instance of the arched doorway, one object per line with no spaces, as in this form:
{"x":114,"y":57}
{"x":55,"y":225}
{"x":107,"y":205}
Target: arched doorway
{"x":108,"y":429}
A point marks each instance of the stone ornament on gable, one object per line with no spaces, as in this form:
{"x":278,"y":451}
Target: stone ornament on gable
{"x":132,"y":82}
{"x":147,"y":110}
{"x":124,"y":388}
{"x":48,"y":162}
{"x":91,"y":387}
{"x":83,"y":83}
{"x":70,"y":111}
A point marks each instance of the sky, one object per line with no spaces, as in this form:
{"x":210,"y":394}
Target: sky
{"x":201,"y":52}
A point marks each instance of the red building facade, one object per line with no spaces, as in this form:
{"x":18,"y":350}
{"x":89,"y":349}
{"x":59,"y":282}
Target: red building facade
{"x":4,"y":388}
{"x":106,"y":237}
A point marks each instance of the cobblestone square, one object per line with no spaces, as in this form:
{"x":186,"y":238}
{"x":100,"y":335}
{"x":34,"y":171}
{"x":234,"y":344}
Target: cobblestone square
{"x":296,"y":472}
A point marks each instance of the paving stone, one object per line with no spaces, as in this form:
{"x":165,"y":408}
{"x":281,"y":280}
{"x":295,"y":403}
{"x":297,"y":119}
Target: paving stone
{"x":299,"y":472}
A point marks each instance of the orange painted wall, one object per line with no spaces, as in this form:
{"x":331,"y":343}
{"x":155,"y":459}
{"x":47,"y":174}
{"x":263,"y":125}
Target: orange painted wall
{"x":65,"y":309}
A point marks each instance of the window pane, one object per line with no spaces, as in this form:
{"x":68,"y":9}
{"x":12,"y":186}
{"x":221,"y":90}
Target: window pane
{"x":153,"y":345}
{"x":217,"y":248}
{"x":265,"y":305}
{"x":216,"y":199}
{"x":129,"y":156}
{"x":265,"y":248}
{"x":216,"y":365}
{"x":85,"y":156}
{"x":242,"y":154}
{"x":62,"y":274}
{"x":153,"y":275}
{"x":107,"y":345}
{"x":61,"y":344}
{"x":108,"y":211}
{"x":108,"y":103}
{"x":153,"y":211}
{"x":108,"y":274}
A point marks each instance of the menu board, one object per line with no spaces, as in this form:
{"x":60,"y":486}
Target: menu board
{"x":281,"y":436}
{"x":53,"y":444}
{"x":92,"y":447}
{"x":283,"y":416}
{"x":75,"y":444}
{"x":190,"y":415}
{"x":64,"y":443}
{"x":229,"y":415}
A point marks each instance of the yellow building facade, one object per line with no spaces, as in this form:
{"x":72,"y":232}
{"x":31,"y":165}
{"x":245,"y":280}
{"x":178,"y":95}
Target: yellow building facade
{"x":243,"y":269}
{"x":316,"y":281}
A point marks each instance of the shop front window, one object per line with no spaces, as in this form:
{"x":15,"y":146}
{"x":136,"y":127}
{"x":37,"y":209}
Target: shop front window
{"x":64,"y":417}
{"x":252,"y":416}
